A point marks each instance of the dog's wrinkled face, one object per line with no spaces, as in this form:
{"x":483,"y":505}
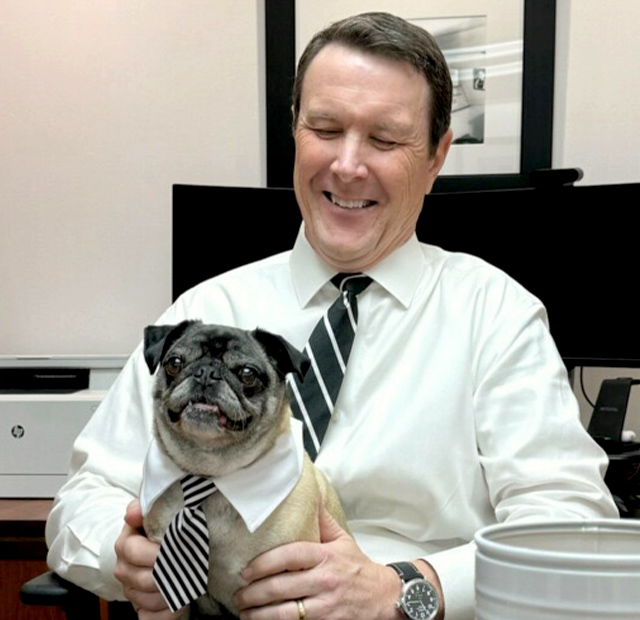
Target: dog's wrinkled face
{"x":219,"y":394}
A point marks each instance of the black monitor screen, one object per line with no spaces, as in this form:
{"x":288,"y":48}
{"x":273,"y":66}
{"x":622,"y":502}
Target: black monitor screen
{"x":570,"y":246}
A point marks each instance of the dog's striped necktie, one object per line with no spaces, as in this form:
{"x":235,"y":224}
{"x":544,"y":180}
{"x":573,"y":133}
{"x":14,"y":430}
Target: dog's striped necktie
{"x":182,"y":566}
{"x":329,"y":347}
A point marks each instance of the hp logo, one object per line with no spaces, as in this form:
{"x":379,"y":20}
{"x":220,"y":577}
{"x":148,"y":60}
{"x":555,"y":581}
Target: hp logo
{"x":17,"y":431}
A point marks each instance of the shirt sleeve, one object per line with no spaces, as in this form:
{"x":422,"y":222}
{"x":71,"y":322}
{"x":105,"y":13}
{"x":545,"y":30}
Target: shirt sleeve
{"x":88,"y":512}
{"x":538,"y":461}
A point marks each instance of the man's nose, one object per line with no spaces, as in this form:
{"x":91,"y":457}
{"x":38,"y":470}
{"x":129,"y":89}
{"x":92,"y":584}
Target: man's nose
{"x":350,"y":160}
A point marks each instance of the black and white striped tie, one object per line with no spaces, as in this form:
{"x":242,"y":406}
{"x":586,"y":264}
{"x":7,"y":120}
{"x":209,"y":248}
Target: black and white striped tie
{"x":182,"y":566}
{"x":329,"y":347}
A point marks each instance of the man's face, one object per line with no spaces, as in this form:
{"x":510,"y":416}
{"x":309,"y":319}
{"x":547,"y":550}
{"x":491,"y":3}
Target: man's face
{"x":362,"y":155}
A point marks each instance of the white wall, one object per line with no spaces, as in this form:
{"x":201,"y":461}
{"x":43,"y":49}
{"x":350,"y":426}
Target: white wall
{"x":597,"y":90}
{"x":104,"y":106}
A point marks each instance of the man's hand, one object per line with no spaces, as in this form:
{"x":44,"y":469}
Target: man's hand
{"x":333,"y":578}
{"x":136,"y":555}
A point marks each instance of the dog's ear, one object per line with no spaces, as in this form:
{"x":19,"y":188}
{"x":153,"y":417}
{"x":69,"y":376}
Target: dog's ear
{"x":158,"y":338}
{"x":285,"y":356}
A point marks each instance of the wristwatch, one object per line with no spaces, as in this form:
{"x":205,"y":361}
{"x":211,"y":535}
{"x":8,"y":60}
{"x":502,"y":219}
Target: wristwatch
{"x":419,"y":599}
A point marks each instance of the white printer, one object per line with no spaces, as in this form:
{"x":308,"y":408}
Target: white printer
{"x":44,"y":403}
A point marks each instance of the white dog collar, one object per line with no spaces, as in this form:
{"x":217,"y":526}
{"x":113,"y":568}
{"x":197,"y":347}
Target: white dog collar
{"x":254,"y":491}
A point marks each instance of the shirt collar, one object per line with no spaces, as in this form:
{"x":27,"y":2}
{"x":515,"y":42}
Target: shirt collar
{"x":254,"y":491}
{"x":399,"y":273}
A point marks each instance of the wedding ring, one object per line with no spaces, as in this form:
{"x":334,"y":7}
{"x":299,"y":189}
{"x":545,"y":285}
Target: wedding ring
{"x":302,"y":612}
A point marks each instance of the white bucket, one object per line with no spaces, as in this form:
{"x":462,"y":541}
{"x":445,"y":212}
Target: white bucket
{"x":560,"y":570}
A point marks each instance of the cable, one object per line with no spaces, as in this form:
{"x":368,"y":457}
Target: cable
{"x":584,"y":392}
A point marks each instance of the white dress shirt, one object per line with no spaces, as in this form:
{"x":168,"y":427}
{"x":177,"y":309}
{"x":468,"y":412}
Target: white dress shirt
{"x":455,"y":412}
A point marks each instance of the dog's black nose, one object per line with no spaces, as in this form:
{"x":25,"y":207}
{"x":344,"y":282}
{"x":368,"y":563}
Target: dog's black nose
{"x":206,"y":375}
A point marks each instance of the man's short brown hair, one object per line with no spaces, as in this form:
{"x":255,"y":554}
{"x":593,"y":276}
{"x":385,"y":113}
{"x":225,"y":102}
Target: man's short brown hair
{"x":391,"y":37}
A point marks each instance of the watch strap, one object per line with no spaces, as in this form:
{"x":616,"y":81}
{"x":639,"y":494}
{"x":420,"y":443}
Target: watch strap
{"x":406,"y":571}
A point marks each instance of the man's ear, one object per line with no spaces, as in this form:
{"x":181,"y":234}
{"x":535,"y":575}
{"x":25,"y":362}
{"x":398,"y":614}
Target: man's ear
{"x":438,"y":159}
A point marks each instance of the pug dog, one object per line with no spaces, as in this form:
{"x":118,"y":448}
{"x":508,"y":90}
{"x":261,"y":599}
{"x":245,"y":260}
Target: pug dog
{"x":220,"y":405}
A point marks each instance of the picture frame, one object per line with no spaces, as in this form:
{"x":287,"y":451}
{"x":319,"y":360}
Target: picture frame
{"x":537,"y":18}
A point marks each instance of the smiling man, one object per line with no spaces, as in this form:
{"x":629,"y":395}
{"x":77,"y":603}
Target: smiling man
{"x":454,"y":413}
{"x":363,"y":157}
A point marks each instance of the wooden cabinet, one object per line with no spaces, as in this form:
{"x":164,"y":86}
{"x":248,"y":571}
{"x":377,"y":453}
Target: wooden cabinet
{"x":22,"y":555}
{"x":13,"y":573}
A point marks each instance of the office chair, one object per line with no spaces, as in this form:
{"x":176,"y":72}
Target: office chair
{"x":50,"y":589}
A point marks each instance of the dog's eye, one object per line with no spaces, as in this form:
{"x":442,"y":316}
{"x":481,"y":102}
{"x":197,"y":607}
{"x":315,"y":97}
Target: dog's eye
{"x":173,"y":365}
{"x":248,"y":375}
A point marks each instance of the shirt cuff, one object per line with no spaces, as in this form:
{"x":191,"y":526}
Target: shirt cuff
{"x":456,"y":570}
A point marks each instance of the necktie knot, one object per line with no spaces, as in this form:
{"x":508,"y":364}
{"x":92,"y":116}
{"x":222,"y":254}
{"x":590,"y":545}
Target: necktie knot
{"x":196,"y":489}
{"x":353,"y":283}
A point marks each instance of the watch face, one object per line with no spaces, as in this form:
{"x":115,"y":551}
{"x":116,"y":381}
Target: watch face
{"x":420,"y":600}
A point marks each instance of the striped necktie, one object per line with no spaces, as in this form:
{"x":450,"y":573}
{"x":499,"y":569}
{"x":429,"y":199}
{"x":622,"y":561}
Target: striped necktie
{"x":328,"y":349}
{"x":182,"y":566}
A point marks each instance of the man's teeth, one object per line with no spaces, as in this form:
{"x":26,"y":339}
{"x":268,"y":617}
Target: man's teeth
{"x":349,"y":204}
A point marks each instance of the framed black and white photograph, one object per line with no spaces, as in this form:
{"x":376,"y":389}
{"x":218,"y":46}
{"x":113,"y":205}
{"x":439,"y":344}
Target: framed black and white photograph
{"x":494,"y":48}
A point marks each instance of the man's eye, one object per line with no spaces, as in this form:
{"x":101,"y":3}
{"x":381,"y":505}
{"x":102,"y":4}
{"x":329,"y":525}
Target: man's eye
{"x":173,"y":365}
{"x":248,"y":375}
{"x":383,"y":145}
{"x":326,"y":134}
